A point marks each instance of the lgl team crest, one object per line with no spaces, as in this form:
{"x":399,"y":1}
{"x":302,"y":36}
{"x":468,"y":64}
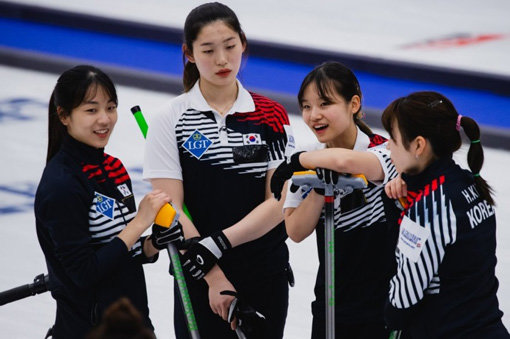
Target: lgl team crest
{"x":105,"y":205}
{"x":197,"y":144}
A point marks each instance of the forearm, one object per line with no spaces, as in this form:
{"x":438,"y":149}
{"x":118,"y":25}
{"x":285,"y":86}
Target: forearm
{"x":132,"y":232}
{"x":257,"y":223}
{"x":343,"y":160}
{"x":301,"y":221}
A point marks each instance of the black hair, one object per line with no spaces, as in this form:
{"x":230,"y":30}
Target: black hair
{"x":198,"y":18}
{"x":330,"y":76}
{"x":70,"y":91}
{"x":432,"y":116}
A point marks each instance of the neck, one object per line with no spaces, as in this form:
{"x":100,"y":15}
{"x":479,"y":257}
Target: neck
{"x":220,"y":98}
{"x":345,"y":140}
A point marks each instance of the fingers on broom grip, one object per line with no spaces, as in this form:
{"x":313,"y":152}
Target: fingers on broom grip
{"x":166,"y":216}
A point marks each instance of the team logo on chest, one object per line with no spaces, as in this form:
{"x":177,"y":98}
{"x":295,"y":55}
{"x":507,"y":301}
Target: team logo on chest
{"x":197,"y":144}
{"x":252,"y":139}
{"x":105,"y":205}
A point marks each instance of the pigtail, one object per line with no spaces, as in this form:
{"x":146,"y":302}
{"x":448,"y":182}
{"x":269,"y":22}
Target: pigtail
{"x":475,"y":156}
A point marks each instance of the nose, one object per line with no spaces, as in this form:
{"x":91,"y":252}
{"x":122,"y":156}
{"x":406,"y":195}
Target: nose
{"x":221,"y":59}
{"x":104,"y":117}
{"x":315,"y":113}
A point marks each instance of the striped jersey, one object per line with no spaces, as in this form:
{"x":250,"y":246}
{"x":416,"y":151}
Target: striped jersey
{"x":83,"y":201}
{"x":222,"y":161}
{"x":362,"y":254}
{"x":445,"y":284}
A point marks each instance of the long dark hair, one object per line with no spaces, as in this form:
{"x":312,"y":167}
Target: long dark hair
{"x":432,"y":116}
{"x":335,"y":76}
{"x":70,"y":91}
{"x":198,"y":18}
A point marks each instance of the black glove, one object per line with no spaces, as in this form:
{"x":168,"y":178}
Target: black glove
{"x":327,"y":176}
{"x":203,"y":255}
{"x":283,"y":173}
{"x":252,"y":323}
{"x":162,"y":236}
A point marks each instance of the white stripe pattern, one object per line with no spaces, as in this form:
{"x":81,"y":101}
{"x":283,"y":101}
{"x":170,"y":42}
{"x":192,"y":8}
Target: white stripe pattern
{"x":413,"y":280}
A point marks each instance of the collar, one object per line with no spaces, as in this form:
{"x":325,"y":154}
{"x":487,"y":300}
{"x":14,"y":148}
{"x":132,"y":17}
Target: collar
{"x":244,"y":102}
{"x":437,"y":168}
{"x":81,"y":151}
{"x":362,"y":141}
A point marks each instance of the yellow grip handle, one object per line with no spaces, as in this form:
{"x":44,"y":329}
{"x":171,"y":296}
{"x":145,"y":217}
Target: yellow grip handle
{"x":166,"y":216}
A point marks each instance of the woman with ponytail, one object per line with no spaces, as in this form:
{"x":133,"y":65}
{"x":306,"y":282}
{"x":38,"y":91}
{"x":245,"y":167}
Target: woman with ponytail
{"x":85,"y":211}
{"x":445,"y":285}
{"x":214,"y":148}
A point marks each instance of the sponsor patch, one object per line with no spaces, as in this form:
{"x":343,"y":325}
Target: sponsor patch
{"x":124,"y":190}
{"x":105,"y":205}
{"x":411,"y":238}
{"x":197,"y":144}
{"x":252,"y":139}
{"x":291,"y":142}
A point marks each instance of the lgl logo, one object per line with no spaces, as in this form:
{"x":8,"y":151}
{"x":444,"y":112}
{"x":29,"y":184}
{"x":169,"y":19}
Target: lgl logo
{"x":197,"y":144}
{"x":105,"y":205}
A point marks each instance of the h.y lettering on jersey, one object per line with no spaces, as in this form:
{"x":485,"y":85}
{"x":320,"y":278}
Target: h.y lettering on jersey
{"x":481,"y":209}
{"x":428,"y":227}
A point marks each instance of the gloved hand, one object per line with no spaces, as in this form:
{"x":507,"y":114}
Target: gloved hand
{"x":203,"y":255}
{"x":162,"y":236}
{"x":327,"y":176}
{"x":283,"y":173}
{"x":251,"y":322}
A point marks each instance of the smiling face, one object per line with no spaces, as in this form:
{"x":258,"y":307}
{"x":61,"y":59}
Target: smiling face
{"x":93,"y":120}
{"x":217,"y":53}
{"x":330,"y":119}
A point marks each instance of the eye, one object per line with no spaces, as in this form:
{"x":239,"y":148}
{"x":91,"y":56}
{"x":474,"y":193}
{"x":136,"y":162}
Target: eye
{"x":208,"y":51}
{"x":305,"y":107}
{"x":91,"y":110}
{"x":231,"y":46}
{"x":325,"y":103}
{"x":112,"y":108}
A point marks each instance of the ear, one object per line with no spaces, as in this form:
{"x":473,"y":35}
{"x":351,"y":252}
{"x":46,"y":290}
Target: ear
{"x":64,"y":119}
{"x":420,"y":145}
{"x":355,"y":104}
{"x":187,"y":52}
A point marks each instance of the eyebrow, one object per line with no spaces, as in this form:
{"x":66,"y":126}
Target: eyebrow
{"x":210,"y":43}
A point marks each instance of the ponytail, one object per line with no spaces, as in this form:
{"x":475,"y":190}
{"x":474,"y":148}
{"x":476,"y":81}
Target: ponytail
{"x":56,"y":130}
{"x":190,"y":75}
{"x":361,"y":124}
{"x":475,"y":156}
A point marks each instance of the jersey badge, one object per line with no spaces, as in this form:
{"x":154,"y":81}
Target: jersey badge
{"x":290,"y":148}
{"x":197,"y":144}
{"x":252,"y":139}
{"x":124,"y":190}
{"x":411,"y":239}
{"x":105,"y":205}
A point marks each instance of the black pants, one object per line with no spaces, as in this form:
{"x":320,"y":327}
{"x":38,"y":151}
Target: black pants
{"x":355,"y":331}
{"x":269,"y":297}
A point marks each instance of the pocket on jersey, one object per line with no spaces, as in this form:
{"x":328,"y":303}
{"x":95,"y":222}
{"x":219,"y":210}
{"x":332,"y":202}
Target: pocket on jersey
{"x":250,"y":153}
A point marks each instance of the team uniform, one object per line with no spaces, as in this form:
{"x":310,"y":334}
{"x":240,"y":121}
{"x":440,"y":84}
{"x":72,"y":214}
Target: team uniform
{"x":363,"y":254}
{"x":445,"y":285}
{"x":82,"y":203}
{"x":222,"y":162}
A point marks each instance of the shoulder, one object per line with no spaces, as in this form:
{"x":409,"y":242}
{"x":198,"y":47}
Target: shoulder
{"x":173,"y":109}
{"x":263,"y":103}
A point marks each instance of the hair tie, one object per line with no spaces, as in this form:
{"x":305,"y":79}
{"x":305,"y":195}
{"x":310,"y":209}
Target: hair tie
{"x":475,"y":141}
{"x":476,"y":175}
{"x":459,"y":117}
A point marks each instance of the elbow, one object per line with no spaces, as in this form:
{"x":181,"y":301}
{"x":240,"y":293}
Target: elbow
{"x":295,"y":236}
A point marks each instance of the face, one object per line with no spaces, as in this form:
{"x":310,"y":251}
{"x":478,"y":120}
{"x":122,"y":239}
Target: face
{"x":93,"y":120}
{"x":331,"y":121}
{"x":405,"y":161}
{"x":217,"y":52}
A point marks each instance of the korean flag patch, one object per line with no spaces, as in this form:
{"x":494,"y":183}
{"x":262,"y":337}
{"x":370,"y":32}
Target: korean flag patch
{"x":105,"y":205}
{"x":252,"y":139}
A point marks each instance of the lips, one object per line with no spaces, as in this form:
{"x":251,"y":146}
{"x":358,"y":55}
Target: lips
{"x":224,"y":72}
{"x":320,"y":127}
{"x":102,"y":132}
